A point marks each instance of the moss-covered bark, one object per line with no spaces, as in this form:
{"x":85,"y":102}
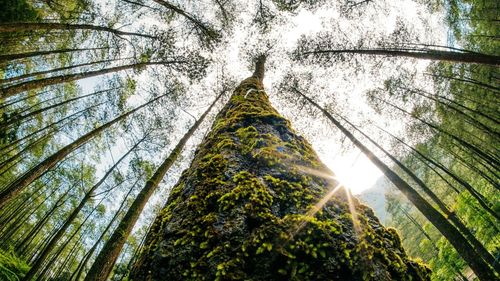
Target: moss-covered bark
{"x":242,"y":211}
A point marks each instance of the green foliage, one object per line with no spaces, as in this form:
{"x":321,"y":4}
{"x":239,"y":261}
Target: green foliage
{"x":12,"y":267}
{"x":17,"y":11}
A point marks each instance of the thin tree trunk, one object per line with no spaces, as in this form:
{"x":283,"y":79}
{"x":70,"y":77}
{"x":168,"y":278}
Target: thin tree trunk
{"x":462,"y":182}
{"x":37,"y":264}
{"x":24,"y":214}
{"x":28,"y":177}
{"x":44,"y":253}
{"x":29,"y":237}
{"x":493,"y":132}
{"x":17,"y":120}
{"x":459,"y":242}
{"x":23,"y":110}
{"x":490,"y":159}
{"x":208,"y":32}
{"x":478,"y":246}
{"x":422,"y":230}
{"x":467,"y":80}
{"x":74,"y":115}
{"x":31,"y":85}
{"x":106,"y":259}
{"x":457,"y":57}
{"x":25,"y":149}
{"x":81,"y":267}
{"x":11,"y":57}
{"x":54,"y":70}
{"x":31,"y":26}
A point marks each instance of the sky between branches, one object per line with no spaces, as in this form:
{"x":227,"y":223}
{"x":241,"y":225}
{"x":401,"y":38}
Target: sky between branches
{"x":340,"y":86}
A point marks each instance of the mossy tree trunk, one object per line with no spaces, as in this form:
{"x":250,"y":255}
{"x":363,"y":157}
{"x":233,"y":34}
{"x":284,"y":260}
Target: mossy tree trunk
{"x":245,"y":210}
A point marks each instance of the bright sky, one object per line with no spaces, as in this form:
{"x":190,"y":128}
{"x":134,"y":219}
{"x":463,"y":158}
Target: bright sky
{"x":342,"y":84}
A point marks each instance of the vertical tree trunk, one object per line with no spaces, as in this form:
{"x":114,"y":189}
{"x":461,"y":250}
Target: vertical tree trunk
{"x":27,"y":178}
{"x":18,"y":119}
{"x":437,"y":55}
{"x":459,"y":242}
{"x":101,"y":269}
{"x":11,"y":57}
{"x":257,"y":204}
{"x":31,"y":26}
{"x":36,"y":265}
{"x":35,"y":84}
{"x":83,"y":262}
{"x":54,"y":70}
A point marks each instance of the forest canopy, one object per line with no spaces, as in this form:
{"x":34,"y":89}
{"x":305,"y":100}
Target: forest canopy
{"x":106,"y":108}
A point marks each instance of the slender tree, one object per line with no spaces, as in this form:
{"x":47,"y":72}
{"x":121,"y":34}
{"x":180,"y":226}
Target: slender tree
{"x":437,"y":55}
{"x":32,"y":174}
{"x":35,"y":84}
{"x":18,"y":119}
{"x":31,"y":26}
{"x":460,"y":243}
{"x":55,"y":70}
{"x":40,"y":259}
{"x":106,"y":259}
{"x":11,"y":57}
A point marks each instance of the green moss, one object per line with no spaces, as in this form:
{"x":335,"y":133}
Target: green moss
{"x":240,"y":211}
{"x":249,"y":192}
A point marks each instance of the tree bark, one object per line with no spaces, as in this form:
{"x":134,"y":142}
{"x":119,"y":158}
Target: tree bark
{"x":257,"y":204}
{"x":106,"y":259}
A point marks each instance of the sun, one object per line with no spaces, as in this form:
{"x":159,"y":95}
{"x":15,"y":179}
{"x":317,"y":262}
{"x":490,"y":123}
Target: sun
{"x":354,"y":170}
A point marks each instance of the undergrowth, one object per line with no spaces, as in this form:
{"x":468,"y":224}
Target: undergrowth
{"x":12,"y":267}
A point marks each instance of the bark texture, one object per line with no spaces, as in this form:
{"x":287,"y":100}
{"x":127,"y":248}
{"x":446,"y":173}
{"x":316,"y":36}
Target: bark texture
{"x":244,"y":210}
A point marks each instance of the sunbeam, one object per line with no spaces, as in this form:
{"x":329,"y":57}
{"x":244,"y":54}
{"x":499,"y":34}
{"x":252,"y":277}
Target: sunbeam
{"x":334,"y":185}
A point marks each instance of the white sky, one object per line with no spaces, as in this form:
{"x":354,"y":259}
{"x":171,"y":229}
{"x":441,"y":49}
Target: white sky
{"x":340,"y":84}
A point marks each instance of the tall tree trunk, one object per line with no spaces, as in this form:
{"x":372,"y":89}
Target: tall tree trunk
{"x":257,"y":204}
{"x":52,"y":262}
{"x":83,"y":262}
{"x":32,"y":174}
{"x":437,"y":55}
{"x":106,"y":259}
{"x":31,"y":26}
{"x":35,"y":84}
{"x":36,"y":265}
{"x":478,"y":246}
{"x":40,"y":224}
{"x":11,"y":57}
{"x":489,"y":158}
{"x":18,"y":119}
{"x":54,"y":70}
{"x":459,"y":242}
{"x":52,"y":125}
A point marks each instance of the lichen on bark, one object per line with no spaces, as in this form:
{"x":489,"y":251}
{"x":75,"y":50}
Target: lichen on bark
{"x":243,"y":211}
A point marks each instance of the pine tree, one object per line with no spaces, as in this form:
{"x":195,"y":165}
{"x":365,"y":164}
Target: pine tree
{"x":257,"y":203}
